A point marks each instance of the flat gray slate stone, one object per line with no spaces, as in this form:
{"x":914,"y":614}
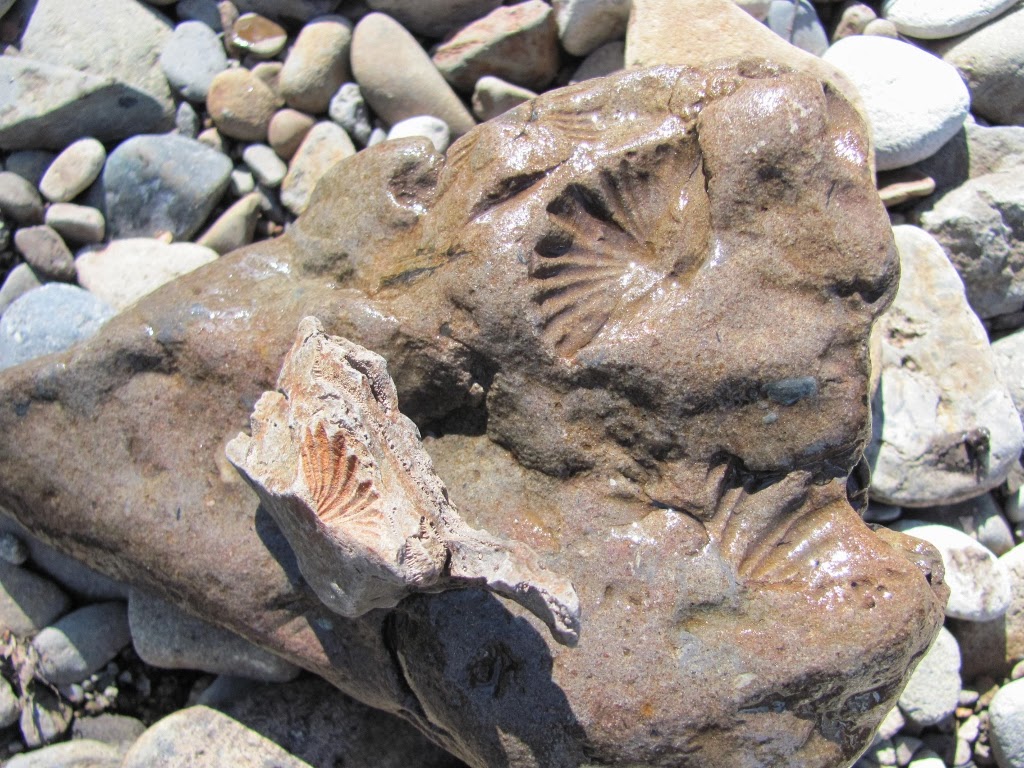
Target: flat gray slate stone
{"x":49,"y":106}
{"x":49,"y":319}
{"x":159,"y":184}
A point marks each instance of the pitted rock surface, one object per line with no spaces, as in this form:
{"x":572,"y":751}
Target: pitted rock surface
{"x":581,"y":309}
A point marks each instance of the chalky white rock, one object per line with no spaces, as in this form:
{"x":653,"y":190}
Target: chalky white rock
{"x":935,"y":19}
{"x":914,"y":101}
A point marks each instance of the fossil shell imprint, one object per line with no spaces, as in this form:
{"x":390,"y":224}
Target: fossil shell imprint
{"x":344,"y":475}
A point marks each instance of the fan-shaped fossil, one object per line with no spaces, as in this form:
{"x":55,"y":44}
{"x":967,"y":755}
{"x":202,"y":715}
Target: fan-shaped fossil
{"x":343,"y":473}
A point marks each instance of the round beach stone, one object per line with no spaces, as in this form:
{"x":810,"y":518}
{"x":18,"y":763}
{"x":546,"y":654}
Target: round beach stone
{"x":1006,"y":725}
{"x":124,"y":271}
{"x":796,"y":22}
{"x":1009,"y":356}
{"x":326,"y":144}
{"x":287,"y":129}
{"x":241,"y":104}
{"x":19,"y":281}
{"x":162,"y":184}
{"x":73,"y":171}
{"x":429,"y":127}
{"x":78,"y":753}
{"x":317,"y":64}
{"x":397,"y":77}
{"x":235,"y":227}
{"x":853,"y":19}
{"x":610,"y":57}
{"x":257,"y":35}
{"x":585,"y":25}
{"x":19,"y":200}
{"x":994,"y":647}
{"x":933,"y":691}
{"x":348,"y":109}
{"x":166,"y":637}
{"x":82,"y":642}
{"x":191,"y":58}
{"x":200,"y":737}
{"x":990,"y":59}
{"x":915,"y":102}
{"x":518,"y":43}
{"x":979,"y":584}
{"x":30,"y":164}
{"x":934,"y":19}
{"x":493,"y":96}
{"x":977,"y":225}
{"x":267,"y":168}
{"x":76,"y":223}
{"x":945,"y":428}
{"x":46,"y":252}
{"x":28,"y":602}
{"x":49,"y":319}
{"x":10,"y":709}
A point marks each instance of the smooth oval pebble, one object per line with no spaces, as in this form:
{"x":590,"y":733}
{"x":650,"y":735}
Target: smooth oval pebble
{"x":191,"y":58}
{"x":235,"y":227}
{"x":324,"y":145}
{"x":979,"y":585}
{"x":19,"y":199}
{"x":266,"y":166}
{"x":317,"y":64}
{"x":241,"y":105}
{"x":585,"y":25}
{"x":73,"y":171}
{"x":10,"y":708}
{"x":427,"y":126}
{"x":28,"y":602}
{"x":1006,"y":725}
{"x":493,"y":96}
{"x":258,"y":35}
{"x":933,"y":691}
{"x":287,"y":129}
{"x":77,"y":223}
{"x":46,"y":252}
{"x":49,"y":318}
{"x":78,"y":753}
{"x":935,"y":19}
{"x":398,"y":79}
{"x":914,"y":101}
{"x":20,"y":281}
{"x":82,"y":642}
{"x":124,"y":271}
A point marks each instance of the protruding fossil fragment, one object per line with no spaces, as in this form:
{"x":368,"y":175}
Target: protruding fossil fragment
{"x":343,"y":473}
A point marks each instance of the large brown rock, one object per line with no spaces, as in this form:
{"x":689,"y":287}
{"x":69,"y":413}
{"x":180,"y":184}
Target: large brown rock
{"x":631,"y":321}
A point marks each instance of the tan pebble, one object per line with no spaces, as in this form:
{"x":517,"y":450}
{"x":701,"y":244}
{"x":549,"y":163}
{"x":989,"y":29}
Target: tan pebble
{"x":518,"y":43}
{"x":325,"y":145}
{"x":235,"y":227}
{"x":398,"y":79}
{"x":258,"y":36}
{"x":288,"y":127}
{"x":882,"y":28}
{"x":270,"y":73}
{"x":317,"y":64}
{"x":241,"y":105}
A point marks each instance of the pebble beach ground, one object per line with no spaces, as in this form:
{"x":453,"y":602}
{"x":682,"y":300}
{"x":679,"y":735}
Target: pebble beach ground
{"x":141,"y":140}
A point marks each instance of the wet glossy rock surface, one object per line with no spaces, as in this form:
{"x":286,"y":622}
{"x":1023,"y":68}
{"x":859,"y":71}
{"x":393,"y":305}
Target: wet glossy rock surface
{"x":579,"y":306}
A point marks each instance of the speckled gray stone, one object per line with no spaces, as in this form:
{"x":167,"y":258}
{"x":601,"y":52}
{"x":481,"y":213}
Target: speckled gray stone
{"x":267,"y":168}
{"x":158,"y":184}
{"x":28,"y":602}
{"x":191,"y":57}
{"x":1006,"y":725}
{"x":348,"y":109}
{"x":168,"y":638}
{"x":78,"y":753}
{"x":932,"y":693}
{"x":49,"y":319}
{"x":82,"y":642}
{"x":796,"y":22}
